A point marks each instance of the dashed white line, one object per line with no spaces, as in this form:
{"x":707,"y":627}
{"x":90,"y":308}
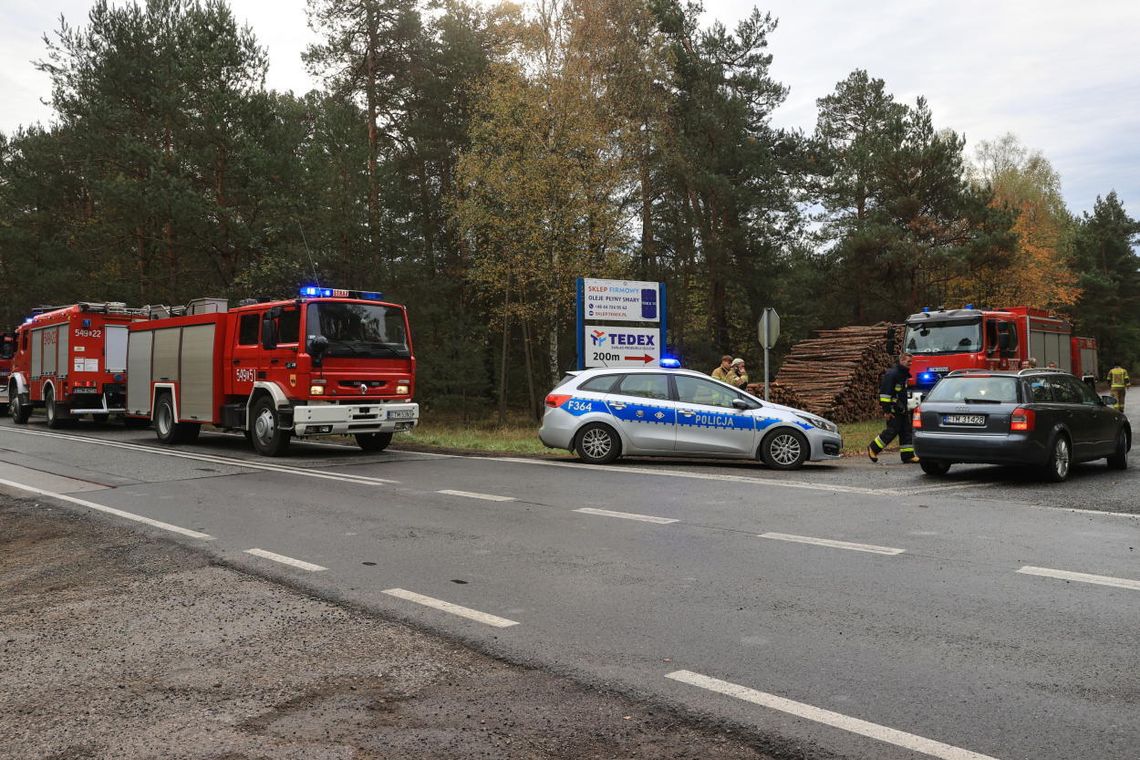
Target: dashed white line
{"x":869,"y":548}
{"x":454,"y":609}
{"x":298,"y":563}
{"x":626,"y":515}
{"x":110,"y":511}
{"x":875,"y":731}
{"x":473,"y":495}
{"x":1067,"y":575}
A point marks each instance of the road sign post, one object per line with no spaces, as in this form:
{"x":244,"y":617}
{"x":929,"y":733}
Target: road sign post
{"x":768,"y":331}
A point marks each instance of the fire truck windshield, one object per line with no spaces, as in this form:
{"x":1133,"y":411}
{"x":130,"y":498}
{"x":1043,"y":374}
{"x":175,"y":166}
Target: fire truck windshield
{"x":359,"y":330}
{"x":943,"y":337}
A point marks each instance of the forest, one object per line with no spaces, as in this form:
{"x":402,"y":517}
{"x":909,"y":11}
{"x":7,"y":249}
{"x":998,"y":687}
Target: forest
{"x":471,"y":161}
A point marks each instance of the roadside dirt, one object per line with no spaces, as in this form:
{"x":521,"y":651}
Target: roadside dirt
{"x":116,"y":645}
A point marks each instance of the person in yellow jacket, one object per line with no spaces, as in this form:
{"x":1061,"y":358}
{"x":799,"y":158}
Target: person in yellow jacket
{"x":1119,"y":380}
{"x":722,"y":372}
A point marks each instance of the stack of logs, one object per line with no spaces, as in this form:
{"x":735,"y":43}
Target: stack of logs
{"x":836,"y":374}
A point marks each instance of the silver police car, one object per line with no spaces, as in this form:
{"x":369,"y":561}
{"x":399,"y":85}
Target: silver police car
{"x":605,"y":413}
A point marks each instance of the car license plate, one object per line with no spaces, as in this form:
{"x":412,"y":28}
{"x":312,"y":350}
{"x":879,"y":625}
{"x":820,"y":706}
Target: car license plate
{"x":964,"y":419}
{"x":401,"y":414}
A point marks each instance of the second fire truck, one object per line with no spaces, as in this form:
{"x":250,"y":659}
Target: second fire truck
{"x":943,"y":340}
{"x":329,"y":362}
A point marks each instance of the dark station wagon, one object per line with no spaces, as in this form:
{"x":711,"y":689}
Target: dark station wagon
{"x":1039,"y":417}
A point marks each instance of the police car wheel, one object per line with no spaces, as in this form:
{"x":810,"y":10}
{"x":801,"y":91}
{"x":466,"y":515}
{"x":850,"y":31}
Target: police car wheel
{"x":784,"y":449}
{"x":598,"y":444}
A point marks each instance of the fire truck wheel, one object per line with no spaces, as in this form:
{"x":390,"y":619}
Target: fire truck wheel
{"x":165,"y":426}
{"x":20,"y":408}
{"x":56,"y":417}
{"x":373,"y":441}
{"x":268,"y":437}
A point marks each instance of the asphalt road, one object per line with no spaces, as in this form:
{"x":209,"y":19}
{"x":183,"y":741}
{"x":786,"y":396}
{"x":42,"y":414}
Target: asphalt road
{"x":861,"y":610}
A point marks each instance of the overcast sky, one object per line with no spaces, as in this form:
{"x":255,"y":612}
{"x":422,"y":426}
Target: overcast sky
{"x":1064,"y":77}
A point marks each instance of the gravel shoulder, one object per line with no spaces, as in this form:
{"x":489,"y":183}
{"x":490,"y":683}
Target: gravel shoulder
{"x":114,"y":644}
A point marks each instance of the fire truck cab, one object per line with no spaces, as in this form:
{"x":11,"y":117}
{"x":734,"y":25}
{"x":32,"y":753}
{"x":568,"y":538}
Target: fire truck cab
{"x":329,"y":362}
{"x":944,"y":340}
{"x":71,"y":361}
{"x":7,"y":351}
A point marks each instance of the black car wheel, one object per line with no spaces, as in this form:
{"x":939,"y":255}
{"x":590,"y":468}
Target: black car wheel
{"x":934,"y":467}
{"x":1060,"y":459}
{"x":598,"y":444}
{"x":785,"y":449}
{"x":1119,"y":458}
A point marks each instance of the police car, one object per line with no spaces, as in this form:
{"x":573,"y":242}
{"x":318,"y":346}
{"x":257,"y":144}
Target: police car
{"x":606,"y":412}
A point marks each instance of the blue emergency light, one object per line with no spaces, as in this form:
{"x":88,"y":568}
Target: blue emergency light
{"x":669,"y":363}
{"x":312,"y":291}
{"x":927,"y":378}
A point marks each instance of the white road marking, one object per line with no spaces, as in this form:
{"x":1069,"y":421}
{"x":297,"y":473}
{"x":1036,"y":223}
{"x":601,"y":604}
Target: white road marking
{"x":109,"y":510}
{"x":1066,"y":575}
{"x":454,"y":609}
{"x":626,"y":515}
{"x":473,"y":495}
{"x":870,"y":548}
{"x":720,"y":478}
{"x":286,"y":560}
{"x":875,"y":731}
{"x":211,"y":458}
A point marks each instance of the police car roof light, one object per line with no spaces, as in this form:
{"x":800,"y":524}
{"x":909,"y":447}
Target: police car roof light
{"x":970,"y":306}
{"x":669,"y":363}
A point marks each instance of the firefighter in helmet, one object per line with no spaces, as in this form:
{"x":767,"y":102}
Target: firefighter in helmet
{"x":892,"y":398}
{"x":1119,"y":381}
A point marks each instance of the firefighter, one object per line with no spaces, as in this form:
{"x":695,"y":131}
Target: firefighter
{"x":722,"y":372}
{"x":892,"y":397}
{"x":1119,"y":380}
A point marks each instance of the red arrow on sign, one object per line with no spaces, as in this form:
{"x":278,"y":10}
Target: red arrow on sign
{"x":643,"y":359}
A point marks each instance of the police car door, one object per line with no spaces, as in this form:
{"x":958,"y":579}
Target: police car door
{"x":643,"y":410}
{"x":708,"y":423}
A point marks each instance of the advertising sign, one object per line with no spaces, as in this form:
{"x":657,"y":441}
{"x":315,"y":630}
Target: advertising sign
{"x":621,"y":301}
{"x":617,"y":346}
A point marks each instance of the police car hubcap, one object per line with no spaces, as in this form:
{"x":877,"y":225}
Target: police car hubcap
{"x":785,"y":449}
{"x":596,"y":443}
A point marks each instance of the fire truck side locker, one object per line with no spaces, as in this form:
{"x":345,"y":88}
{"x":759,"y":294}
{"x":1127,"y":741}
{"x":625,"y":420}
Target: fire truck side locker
{"x":183,"y":359}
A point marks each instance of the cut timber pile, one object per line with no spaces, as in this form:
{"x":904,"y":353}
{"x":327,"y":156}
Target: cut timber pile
{"x":777,"y":394}
{"x":836,"y":374}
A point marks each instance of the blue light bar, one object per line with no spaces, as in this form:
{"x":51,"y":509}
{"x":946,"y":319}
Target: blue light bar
{"x":970,"y":306}
{"x":927,"y":378}
{"x":312,"y":291}
{"x":670,"y":363}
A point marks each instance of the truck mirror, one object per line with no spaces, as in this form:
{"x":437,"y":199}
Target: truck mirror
{"x":268,"y":334}
{"x":890,"y":343}
{"x":318,"y":344}
{"x":1003,"y":342}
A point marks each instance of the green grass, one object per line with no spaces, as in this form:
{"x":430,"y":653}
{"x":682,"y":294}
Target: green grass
{"x":520,"y":436}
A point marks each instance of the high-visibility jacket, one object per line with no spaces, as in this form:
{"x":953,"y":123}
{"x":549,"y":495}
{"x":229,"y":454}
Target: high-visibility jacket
{"x":892,"y":389}
{"x":1118,"y":376}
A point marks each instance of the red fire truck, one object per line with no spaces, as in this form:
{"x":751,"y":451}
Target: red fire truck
{"x":943,"y":340}
{"x":7,"y":351}
{"x":71,"y":361}
{"x":329,"y":362}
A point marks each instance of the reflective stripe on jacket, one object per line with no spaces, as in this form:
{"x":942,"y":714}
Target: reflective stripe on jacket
{"x":1119,"y":377}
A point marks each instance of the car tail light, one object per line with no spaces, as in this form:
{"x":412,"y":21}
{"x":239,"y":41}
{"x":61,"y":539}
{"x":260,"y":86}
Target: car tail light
{"x":916,"y":420}
{"x":1022,"y":419}
{"x":555,"y":400}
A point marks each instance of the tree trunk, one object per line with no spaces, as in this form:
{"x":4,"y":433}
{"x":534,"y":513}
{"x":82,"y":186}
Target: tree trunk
{"x":532,"y":407}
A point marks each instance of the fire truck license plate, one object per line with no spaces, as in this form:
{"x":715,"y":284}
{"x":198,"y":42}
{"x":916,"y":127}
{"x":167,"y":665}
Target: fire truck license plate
{"x":965,"y":419}
{"x":401,"y":414}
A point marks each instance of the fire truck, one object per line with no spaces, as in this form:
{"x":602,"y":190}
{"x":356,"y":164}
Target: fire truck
{"x":71,"y":361}
{"x":943,"y":340}
{"x":7,"y":351}
{"x":328,"y":362}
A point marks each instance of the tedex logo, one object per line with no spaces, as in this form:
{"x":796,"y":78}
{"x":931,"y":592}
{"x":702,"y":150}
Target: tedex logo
{"x":625,"y":339}
{"x":599,"y":337}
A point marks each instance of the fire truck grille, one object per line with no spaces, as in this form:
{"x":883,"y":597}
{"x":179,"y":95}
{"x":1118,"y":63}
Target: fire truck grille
{"x":366,"y":416}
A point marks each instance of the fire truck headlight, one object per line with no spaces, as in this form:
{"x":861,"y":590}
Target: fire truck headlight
{"x":403,"y":388}
{"x":316,"y":390}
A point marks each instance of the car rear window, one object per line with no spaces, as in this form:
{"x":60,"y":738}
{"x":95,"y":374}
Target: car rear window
{"x":964,"y":390}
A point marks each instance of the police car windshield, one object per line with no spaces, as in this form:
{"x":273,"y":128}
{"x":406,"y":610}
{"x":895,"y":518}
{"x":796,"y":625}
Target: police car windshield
{"x":359,"y":330}
{"x":943,"y":337}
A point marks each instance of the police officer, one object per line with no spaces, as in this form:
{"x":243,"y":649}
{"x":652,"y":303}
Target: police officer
{"x":1119,"y":380}
{"x":892,"y":397}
